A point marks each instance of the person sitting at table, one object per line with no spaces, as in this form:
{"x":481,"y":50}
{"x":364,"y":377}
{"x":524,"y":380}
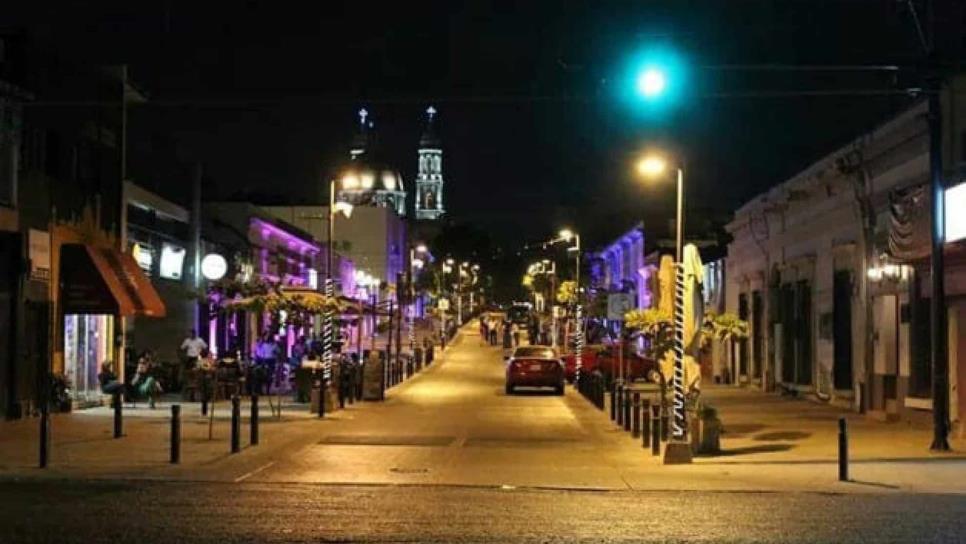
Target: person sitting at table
{"x":146,"y":385}
{"x":108,"y":379}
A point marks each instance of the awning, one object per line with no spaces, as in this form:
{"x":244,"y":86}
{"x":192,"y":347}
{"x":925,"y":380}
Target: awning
{"x":105,"y":281}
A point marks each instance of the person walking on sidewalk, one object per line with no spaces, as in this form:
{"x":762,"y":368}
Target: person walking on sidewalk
{"x":515,"y":333}
{"x":266,"y":352}
{"x":191,"y":348}
{"x":484,"y":330}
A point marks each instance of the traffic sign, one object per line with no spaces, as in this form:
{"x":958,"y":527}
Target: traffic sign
{"x":619,"y":304}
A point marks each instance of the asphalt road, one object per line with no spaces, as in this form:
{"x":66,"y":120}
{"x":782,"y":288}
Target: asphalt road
{"x":149,"y":512}
{"x":454,"y":425}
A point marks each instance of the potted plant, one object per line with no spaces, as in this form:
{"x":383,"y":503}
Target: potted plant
{"x":706,"y":430}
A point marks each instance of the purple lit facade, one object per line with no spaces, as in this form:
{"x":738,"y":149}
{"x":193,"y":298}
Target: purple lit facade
{"x":620,"y":267}
{"x":281,"y":256}
{"x":272,"y":251}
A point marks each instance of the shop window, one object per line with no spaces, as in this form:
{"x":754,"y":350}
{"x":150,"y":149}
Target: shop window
{"x":87,"y":344}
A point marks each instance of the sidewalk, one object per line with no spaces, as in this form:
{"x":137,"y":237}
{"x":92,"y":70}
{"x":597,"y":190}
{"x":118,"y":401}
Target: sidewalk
{"x":82,"y":443}
{"x":761,"y":427}
{"x":771,"y":443}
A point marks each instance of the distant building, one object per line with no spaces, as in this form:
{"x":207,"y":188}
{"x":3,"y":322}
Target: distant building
{"x":367,"y":180}
{"x":620,"y":267}
{"x":429,"y":179}
{"x":277,"y":252}
{"x":373,"y":238}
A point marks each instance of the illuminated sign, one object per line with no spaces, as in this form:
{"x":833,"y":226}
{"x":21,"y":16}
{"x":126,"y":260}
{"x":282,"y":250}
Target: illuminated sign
{"x":172,"y":261}
{"x":213,"y":266}
{"x":144,"y":256}
{"x":955,"y":213}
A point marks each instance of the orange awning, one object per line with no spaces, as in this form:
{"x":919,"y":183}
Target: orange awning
{"x":104,"y":280}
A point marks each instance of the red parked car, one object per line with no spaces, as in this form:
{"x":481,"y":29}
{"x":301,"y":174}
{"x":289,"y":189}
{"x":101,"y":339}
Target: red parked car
{"x":534,"y":366}
{"x":605,"y":358}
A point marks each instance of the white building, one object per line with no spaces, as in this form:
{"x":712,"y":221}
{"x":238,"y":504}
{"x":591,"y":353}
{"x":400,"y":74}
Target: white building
{"x":835,"y":311}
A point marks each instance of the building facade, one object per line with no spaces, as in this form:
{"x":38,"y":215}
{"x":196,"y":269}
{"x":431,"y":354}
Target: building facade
{"x":373,"y":238}
{"x":429,"y":179}
{"x":833,"y":312}
{"x":69,"y":286}
{"x":620,"y":267}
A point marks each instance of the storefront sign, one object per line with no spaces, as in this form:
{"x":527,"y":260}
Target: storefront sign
{"x":172,"y":261}
{"x":955,"y":213}
{"x":214,"y":267}
{"x":39,"y":241}
{"x":144,"y":256}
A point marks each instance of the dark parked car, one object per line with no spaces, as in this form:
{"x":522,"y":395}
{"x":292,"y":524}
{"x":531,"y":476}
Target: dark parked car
{"x":535,"y":366}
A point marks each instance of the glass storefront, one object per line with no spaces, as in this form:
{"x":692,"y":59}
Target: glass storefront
{"x":87,"y":343}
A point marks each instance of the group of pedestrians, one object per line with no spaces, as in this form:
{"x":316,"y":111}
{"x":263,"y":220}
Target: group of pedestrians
{"x":493,"y":328}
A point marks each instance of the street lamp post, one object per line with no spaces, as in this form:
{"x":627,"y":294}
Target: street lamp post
{"x":328,"y":319}
{"x":414,"y":265}
{"x":567,"y":235}
{"x":447,"y":268}
{"x":678,"y":449}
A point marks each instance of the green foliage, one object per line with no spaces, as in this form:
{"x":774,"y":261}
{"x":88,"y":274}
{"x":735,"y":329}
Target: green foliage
{"x":654,"y":325}
{"x":726,"y":326}
{"x":567,"y":292}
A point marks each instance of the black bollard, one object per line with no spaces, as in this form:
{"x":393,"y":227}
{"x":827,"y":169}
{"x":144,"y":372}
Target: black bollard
{"x":235,"y":424}
{"x":118,"y":415}
{"x":843,"y":451}
{"x":44,"y":433}
{"x":656,"y":430}
{"x":627,"y":410}
{"x":664,"y":424}
{"x":620,"y":406}
{"x":253,"y":423}
{"x":636,"y":424}
{"x":175,"y":434}
{"x":204,"y":403}
{"x":321,"y":406}
{"x":613,"y":401}
{"x":646,"y":422}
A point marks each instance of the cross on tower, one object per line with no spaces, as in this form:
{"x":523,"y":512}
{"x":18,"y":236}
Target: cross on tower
{"x":431,"y":111}
{"x":362,"y":116}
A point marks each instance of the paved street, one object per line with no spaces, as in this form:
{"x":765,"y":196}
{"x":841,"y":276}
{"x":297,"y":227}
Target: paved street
{"x":190,"y":513}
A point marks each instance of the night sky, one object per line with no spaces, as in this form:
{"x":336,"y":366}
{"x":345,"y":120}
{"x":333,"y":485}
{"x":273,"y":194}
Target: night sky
{"x":265,"y":94}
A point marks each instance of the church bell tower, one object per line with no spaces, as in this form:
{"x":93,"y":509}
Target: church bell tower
{"x":429,"y":180}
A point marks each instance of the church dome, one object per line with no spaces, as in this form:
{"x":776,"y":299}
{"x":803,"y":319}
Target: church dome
{"x":363,"y":175}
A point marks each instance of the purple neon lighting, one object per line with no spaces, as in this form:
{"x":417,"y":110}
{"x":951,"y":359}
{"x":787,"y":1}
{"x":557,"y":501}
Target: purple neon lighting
{"x":267,"y":229}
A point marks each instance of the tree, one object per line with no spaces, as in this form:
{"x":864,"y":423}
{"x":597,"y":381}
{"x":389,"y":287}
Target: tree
{"x":567,"y":293}
{"x":655,"y":326}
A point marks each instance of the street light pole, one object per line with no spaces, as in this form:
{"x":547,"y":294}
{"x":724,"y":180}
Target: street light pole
{"x":939,"y":333}
{"x":578,"y":316}
{"x":327,"y":332}
{"x":678,"y":449}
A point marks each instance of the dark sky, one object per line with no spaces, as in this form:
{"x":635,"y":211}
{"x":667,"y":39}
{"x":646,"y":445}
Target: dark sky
{"x":265,"y":94}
